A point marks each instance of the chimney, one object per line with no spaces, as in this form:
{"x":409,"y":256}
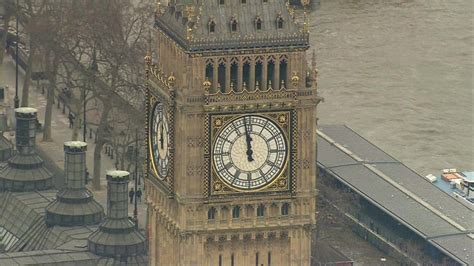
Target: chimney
{"x":25,"y":130}
{"x":25,"y":170}
{"x":74,"y":204}
{"x":117,"y":235}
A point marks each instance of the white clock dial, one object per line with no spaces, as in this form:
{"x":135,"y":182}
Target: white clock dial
{"x":249,"y":152}
{"x":160,"y":140}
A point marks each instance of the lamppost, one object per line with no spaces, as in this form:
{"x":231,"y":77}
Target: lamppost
{"x":94,"y":68}
{"x":135,"y":210}
{"x":16,"y":101}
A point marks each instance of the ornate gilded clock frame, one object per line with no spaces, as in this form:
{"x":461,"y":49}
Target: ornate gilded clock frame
{"x":284,"y":183}
{"x":160,"y":89}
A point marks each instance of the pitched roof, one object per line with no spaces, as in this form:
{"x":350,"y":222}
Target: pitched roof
{"x":187,"y":22}
{"x":397,"y":190}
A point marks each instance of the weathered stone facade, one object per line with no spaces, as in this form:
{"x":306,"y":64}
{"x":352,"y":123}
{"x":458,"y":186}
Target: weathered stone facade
{"x":200,"y":80}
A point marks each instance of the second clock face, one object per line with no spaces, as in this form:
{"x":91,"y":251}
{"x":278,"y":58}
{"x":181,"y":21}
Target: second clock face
{"x":249,"y":152}
{"x":160,"y":140}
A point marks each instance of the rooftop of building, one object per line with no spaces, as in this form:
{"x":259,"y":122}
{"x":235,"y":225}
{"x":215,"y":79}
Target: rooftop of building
{"x":399,"y":191}
{"x":235,"y":24}
{"x":27,"y":239}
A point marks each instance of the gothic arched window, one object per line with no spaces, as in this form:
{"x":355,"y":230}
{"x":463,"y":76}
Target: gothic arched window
{"x":285,"y":208}
{"x":211,"y":213}
{"x":212,"y":26}
{"x":258,"y":23}
{"x":279,"y":22}
{"x":233,"y":24}
{"x":236,"y":212}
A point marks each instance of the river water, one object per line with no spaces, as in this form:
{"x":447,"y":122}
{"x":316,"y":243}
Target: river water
{"x":400,"y":73}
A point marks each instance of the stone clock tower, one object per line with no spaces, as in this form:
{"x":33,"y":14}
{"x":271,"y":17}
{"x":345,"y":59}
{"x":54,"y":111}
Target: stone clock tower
{"x":231,"y":135}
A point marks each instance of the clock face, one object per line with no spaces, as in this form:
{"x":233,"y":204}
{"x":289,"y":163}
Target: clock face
{"x":159,"y":140}
{"x":249,"y":152}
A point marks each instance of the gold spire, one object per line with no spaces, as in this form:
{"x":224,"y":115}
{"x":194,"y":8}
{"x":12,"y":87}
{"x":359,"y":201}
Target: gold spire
{"x":305,"y":4}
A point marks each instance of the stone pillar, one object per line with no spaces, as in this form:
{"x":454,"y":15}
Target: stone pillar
{"x":240,"y":74}
{"x":251,"y":86}
{"x":25,"y":130}
{"x":263,"y":86}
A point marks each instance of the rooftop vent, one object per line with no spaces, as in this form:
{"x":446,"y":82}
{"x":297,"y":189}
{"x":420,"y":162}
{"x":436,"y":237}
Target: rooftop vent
{"x":25,"y":170}
{"x":74,"y":204}
{"x":117,"y":235}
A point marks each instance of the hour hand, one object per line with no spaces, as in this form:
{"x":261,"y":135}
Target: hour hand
{"x":161,"y":137}
{"x":248,"y":140}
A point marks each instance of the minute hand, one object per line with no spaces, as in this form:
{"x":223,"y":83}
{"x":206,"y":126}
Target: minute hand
{"x":248,"y":140}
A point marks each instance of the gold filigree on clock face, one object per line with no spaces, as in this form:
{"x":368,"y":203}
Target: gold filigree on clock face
{"x":159,"y":136}
{"x":249,"y":152}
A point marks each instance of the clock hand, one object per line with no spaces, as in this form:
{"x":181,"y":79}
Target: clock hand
{"x":248,"y":139}
{"x":161,"y":136}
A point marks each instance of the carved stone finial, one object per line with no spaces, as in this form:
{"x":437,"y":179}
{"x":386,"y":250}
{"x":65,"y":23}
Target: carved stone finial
{"x":207,"y":85}
{"x":232,"y":86}
{"x":282,"y":85}
{"x":270,"y":85}
{"x":313,"y":60}
{"x":218,"y":87}
{"x":244,"y":86}
{"x":305,"y":4}
{"x":257,"y":86}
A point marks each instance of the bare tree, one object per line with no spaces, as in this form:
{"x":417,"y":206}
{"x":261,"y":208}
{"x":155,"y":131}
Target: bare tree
{"x":8,"y":8}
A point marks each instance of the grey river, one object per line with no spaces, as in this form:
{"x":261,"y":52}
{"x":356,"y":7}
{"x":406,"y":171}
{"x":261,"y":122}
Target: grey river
{"x":400,"y":73}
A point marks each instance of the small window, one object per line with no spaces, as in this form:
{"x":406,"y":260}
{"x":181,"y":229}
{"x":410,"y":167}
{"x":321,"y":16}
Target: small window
{"x":285,"y":208}
{"x":269,"y":258}
{"x":265,"y":1}
{"x":260,"y":210}
{"x":244,"y":1}
{"x":212,"y":26}
{"x":211,"y":213}
{"x":221,"y":2}
{"x":280,"y":23}
{"x":220,"y":260}
{"x":256,"y":259}
{"x":232,"y":260}
{"x":233,"y":25}
{"x":258,"y":23}
{"x":236,"y":212}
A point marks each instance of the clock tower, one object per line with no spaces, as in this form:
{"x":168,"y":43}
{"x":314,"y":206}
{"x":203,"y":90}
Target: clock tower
{"x":231,"y":135}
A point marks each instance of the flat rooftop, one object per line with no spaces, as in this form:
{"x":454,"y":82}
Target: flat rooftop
{"x":399,"y":191}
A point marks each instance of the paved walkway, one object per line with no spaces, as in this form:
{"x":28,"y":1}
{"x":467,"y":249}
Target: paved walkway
{"x":62,"y":133}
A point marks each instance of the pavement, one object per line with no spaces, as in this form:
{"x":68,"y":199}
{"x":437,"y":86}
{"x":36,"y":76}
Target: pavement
{"x":62,"y":133}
